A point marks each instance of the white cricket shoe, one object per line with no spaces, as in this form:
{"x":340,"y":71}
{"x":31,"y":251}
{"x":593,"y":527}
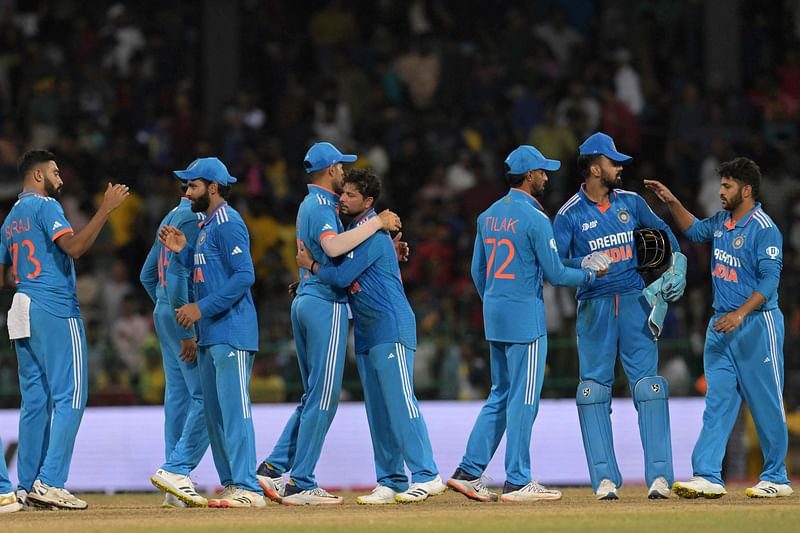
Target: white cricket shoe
{"x":472,"y":488}
{"x":180,"y":486}
{"x":380,"y":495}
{"x":532,"y":492}
{"x":9,"y":503}
{"x":419,"y":492}
{"x":44,"y":495}
{"x":768,"y":489}
{"x":235,"y":498}
{"x":172,"y":502}
{"x":607,"y":490}
{"x":698,"y":487}
{"x":315,"y":496}
{"x":274,"y":487}
{"x":659,"y":489}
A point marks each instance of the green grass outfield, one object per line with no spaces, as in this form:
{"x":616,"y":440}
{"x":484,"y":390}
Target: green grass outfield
{"x":577,"y":511}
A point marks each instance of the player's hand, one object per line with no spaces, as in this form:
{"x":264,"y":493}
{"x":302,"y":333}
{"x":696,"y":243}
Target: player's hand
{"x":596,"y":261}
{"x":304,"y":258}
{"x":661,"y":190}
{"x":172,"y":238}
{"x":189,"y":350}
{"x":600,"y":273}
{"x":188,"y":314}
{"x":114,"y":196}
{"x":729,"y":322}
{"x":401,"y":248}
{"x":390,"y":221}
{"x":293,"y":288}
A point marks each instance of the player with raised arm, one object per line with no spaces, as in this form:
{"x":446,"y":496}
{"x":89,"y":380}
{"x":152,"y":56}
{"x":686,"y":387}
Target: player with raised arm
{"x":599,"y":225}
{"x":169,"y":285}
{"x":385,"y":342}
{"x":45,"y":325}
{"x":223,"y":273}
{"x":743,"y":353}
{"x":514,"y":251}
{"x":319,"y":325}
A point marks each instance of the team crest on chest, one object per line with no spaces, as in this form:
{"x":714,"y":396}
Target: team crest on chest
{"x":202,"y":238}
{"x":623,"y":216}
{"x":738,"y":242}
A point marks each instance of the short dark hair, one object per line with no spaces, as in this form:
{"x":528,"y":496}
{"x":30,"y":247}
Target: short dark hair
{"x":222,"y":190}
{"x":31,"y":158}
{"x":365,"y":180}
{"x":586,"y":161}
{"x":743,"y":170}
{"x":515,"y":180}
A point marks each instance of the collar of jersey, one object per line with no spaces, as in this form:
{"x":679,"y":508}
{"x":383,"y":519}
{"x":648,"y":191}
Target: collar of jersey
{"x":528,"y":197}
{"x":325,"y":191}
{"x":28,"y":192}
{"x":210,"y":216}
{"x":369,"y":213}
{"x":611,"y":197}
{"x":744,"y":220}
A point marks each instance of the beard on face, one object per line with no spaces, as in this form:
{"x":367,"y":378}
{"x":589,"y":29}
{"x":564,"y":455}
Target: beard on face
{"x":51,"y":190}
{"x":201,"y":204}
{"x":734,"y":202}
{"x":613,"y":179}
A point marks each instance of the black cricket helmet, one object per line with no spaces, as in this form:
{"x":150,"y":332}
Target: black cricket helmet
{"x":653,"y":249}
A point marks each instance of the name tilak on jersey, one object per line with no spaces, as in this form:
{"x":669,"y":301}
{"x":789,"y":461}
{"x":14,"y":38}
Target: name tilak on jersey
{"x":726,"y":267}
{"x":504,"y":224}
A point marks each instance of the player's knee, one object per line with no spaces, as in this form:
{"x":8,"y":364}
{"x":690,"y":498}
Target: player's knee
{"x":650,"y":388}
{"x":590,"y":392}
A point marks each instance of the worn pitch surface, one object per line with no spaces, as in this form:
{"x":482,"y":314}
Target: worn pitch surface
{"x":577,"y":511}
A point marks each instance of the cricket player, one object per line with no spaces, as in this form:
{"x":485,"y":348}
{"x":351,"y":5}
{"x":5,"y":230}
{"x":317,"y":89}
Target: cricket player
{"x":168,"y":284}
{"x":385,"y":341}
{"x":514,"y":251}
{"x":319,"y":324}
{"x":597,"y":225}
{"x":8,"y":498}
{"x":223,"y":273}
{"x":45,"y":325}
{"x":743,"y":354}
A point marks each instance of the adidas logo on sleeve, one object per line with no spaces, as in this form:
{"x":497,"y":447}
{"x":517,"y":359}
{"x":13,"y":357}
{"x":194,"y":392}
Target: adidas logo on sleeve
{"x":236,"y":250}
{"x":57,"y":225}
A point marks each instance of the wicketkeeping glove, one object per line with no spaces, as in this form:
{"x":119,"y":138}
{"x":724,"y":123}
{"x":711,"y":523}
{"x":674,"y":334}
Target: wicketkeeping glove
{"x":674,"y":279}
{"x":596,"y":261}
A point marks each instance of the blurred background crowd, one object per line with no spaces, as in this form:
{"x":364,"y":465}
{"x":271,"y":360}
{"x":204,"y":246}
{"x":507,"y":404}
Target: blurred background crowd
{"x":431,"y":94}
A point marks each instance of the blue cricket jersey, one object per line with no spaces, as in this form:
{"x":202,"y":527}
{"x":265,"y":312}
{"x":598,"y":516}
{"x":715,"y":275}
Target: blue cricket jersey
{"x":747,"y":256}
{"x":42,"y":270}
{"x":514,"y":249}
{"x":167,"y":281}
{"x":381,"y":311}
{"x":223,"y":274}
{"x":582,"y":227}
{"x":318,"y":217}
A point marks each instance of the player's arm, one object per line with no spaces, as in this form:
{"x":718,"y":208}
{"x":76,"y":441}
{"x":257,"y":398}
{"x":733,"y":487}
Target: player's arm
{"x":364,"y":255}
{"x":478,"y":268}
{"x":546,"y":251}
{"x":149,"y":273}
{"x":5,"y":273}
{"x":336,"y":244}
{"x":769,"y":254}
{"x":76,"y":244}
{"x":648,"y":219}
{"x":240,"y":265}
{"x":683,"y":218}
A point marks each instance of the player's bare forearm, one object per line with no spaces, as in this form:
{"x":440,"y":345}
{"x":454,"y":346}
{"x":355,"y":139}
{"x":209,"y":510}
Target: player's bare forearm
{"x":733,"y":320}
{"x":683,"y":218}
{"x":76,"y":244}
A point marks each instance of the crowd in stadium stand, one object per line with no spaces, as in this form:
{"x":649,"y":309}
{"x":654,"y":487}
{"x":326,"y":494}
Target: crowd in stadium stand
{"x":429,"y":95}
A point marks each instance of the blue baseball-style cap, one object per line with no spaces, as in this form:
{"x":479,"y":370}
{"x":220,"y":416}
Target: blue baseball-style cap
{"x":207,"y":168}
{"x":525,"y":157}
{"x":600,"y":143}
{"x":324,"y":154}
